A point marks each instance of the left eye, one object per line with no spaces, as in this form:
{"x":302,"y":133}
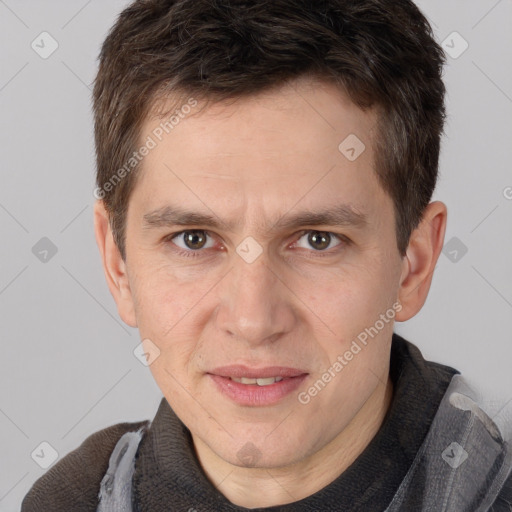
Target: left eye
{"x":192,"y":240}
{"x":318,"y":240}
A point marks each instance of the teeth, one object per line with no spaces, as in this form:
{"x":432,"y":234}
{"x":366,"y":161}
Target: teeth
{"x":266,"y":382}
{"x":259,"y":382}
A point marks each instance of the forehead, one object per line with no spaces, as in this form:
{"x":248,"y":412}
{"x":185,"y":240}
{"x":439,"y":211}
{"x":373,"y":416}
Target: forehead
{"x":304,"y":142}
{"x":305,"y":114}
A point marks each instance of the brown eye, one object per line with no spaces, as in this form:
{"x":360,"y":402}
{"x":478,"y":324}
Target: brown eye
{"x":192,"y":240}
{"x":318,"y":240}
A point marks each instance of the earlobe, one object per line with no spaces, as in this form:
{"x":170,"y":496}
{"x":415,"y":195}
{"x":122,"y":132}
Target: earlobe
{"x":113,"y":265}
{"x":425,"y":245}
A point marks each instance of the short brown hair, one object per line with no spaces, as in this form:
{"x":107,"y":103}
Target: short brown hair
{"x":382,"y":53}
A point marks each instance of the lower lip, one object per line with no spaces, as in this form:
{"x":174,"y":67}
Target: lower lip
{"x":254,"y":395}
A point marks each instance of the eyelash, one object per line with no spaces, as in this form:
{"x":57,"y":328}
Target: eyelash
{"x":344,"y":241}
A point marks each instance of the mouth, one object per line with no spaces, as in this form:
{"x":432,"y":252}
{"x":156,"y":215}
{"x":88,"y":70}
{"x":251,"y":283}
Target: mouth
{"x":257,"y":386}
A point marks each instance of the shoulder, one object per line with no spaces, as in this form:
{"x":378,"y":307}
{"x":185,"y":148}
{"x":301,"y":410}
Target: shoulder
{"x":73,"y":483}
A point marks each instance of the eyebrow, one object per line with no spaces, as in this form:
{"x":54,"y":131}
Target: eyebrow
{"x":342,"y":215}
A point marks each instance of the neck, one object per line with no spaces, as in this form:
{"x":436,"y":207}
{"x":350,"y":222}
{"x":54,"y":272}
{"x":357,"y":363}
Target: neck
{"x":266,"y":487}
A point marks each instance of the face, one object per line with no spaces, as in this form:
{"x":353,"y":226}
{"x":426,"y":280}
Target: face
{"x":256,"y":248}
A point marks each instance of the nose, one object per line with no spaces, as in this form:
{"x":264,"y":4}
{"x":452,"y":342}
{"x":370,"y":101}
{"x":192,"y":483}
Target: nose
{"x":255,"y":306}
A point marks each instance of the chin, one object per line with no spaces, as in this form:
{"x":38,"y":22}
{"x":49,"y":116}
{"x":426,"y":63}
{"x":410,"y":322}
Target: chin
{"x":258,"y":451}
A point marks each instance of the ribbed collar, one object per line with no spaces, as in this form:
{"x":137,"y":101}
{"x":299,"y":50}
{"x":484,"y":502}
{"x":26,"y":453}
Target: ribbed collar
{"x":168,"y":476}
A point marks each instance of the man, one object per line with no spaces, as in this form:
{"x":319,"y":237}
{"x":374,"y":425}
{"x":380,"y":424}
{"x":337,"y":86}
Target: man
{"x":264,"y":174}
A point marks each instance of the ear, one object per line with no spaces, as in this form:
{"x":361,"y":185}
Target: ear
{"x":113,"y":265}
{"x":418,"y":264}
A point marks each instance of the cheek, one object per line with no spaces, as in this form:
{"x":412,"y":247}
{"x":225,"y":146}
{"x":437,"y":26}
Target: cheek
{"x":164,"y":299}
{"x":172,"y":312}
{"x":354,"y":294}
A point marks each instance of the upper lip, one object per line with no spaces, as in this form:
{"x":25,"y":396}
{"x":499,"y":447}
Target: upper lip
{"x":239,"y":371}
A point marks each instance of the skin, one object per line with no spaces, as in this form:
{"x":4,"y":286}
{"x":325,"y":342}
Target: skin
{"x":298,"y":304}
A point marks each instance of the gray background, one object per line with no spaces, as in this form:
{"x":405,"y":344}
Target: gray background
{"x":67,"y":366}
